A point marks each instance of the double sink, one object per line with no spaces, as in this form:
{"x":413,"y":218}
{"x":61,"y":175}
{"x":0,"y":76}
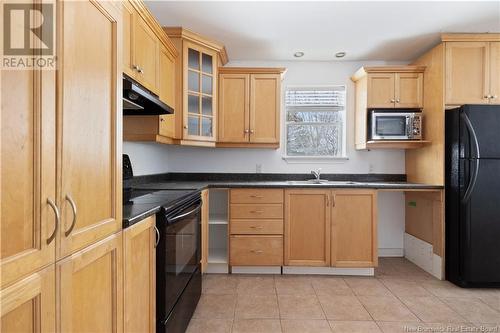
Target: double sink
{"x":322,"y":182}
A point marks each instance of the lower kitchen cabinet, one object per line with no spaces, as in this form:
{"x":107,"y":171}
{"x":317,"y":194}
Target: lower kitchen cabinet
{"x":256,"y":250}
{"x":331,"y":227}
{"x":90,"y":289}
{"x":204,"y":230}
{"x":354,"y":228}
{"x":307,"y":227}
{"x":29,"y":304}
{"x":139,"y":276}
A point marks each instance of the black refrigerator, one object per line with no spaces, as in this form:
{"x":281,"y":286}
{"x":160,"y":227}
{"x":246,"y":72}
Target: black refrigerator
{"x":472,"y":164}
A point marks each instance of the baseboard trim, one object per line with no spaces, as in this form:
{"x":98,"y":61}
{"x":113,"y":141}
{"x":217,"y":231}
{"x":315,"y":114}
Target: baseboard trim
{"x":256,"y":269}
{"x":217,"y":268}
{"x":391,"y":252}
{"x":421,"y":254}
{"x":328,"y":270}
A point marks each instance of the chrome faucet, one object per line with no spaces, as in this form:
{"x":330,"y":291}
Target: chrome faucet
{"x":317,"y":173}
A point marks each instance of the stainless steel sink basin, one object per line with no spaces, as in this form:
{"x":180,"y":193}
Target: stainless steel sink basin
{"x":321,"y":182}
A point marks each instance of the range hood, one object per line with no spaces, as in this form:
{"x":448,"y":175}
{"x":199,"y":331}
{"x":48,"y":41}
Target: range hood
{"x":138,"y":101}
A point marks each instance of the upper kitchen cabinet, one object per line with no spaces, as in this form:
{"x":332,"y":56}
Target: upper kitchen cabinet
{"x":28,"y":211}
{"x":195,"y":119}
{"x":88,"y":124}
{"x":472,"y":70}
{"x":391,"y":86}
{"x":386,"y":87}
{"x":147,"y":51}
{"x":249,"y":107}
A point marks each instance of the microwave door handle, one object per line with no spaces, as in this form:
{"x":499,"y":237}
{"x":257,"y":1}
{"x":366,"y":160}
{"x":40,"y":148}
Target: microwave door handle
{"x":181,"y":216}
{"x":408,"y":130}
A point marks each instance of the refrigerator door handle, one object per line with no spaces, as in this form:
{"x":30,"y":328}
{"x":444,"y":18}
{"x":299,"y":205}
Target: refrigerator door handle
{"x":472,"y":183}
{"x":471,"y":131}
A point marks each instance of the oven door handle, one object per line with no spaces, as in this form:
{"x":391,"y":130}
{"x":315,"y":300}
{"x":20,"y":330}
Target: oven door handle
{"x":178,"y":217}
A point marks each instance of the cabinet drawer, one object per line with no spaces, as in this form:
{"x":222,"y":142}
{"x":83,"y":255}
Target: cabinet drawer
{"x":256,"y":250}
{"x":254,"y":226}
{"x":249,"y":211}
{"x":257,"y":195}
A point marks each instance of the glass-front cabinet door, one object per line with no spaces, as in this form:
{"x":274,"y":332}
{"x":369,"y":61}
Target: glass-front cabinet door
{"x":200,"y":66}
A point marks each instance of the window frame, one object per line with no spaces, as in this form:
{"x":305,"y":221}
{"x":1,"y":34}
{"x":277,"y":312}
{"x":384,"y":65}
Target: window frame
{"x":315,"y":159}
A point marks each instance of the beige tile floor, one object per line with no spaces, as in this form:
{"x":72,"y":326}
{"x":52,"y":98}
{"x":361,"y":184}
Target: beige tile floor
{"x":400,"y":298}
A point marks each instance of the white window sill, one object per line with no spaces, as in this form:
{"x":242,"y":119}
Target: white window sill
{"x":314,"y":159}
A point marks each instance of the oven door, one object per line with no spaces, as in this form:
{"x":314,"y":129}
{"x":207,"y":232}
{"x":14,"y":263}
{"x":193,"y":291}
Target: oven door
{"x":390,"y":126}
{"x":178,"y":254}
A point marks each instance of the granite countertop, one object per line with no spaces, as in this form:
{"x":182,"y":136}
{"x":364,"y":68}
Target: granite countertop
{"x":137,"y":211}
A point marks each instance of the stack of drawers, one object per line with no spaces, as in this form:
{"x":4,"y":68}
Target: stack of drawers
{"x":256,"y":227}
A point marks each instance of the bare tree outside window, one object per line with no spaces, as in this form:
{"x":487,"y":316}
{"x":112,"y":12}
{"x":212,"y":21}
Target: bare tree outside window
{"x":315,"y":122}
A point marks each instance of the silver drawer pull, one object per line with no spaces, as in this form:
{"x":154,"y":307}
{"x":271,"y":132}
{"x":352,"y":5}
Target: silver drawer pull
{"x":157,"y":240}
{"x":73,"y":207}
{"x":256,"y":211}
{"x":256,"y":227}
{"x":257,"y":196}
{"x":257,"y":251}
{"x":58,"y":218}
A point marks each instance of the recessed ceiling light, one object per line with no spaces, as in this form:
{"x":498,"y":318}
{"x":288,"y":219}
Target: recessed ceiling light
{"x":340,"y":54}
{"x":298,"y":54}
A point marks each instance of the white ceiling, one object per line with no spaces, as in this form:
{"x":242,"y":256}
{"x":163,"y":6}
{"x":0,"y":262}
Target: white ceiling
{"x":391,"y":31}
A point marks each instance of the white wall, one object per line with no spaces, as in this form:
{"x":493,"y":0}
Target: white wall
{"x":148,"y":158}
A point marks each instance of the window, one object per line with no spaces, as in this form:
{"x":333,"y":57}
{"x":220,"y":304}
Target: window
{"x":315,"y":122}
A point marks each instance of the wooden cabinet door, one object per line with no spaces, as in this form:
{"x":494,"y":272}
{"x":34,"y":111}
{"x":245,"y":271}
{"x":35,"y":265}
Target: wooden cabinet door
{"x":307,"y":227}
{"x":265,"y":107}
{"x":139,"y":299}
{"x":467,"y":73}
{"x":167,"y":77}
{"x":90,"y":290}
{"x":381,"y":90}
{"x":200,"y":92}
{"x":234,"y":108}
{"x":146,"y":54}
{"x":354,"y":228}
{"x":128,"y":14}
{"x":409,"y":90}
{"x":27,"y":172}
{"x":90,"y":118}
{"x":495,"y":72}
{"x":29,"y":304}
{"x":204,"y":230}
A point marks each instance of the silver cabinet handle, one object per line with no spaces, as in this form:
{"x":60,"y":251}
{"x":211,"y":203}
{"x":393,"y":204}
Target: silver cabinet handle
{"x":246,"y":131}
{"x":333,"y":200}
{"x":157,"y":241}
{"x":256,"y":211}
{"x":397,"y":101}
{"x":494,"y":97}
{"x":185,"y":126}
{"x":58,"y":219}
{"x":393,"y":100}
{"x":256,"y":196}
{"x":135,"y":67}
{"x":252,"y":131}
{"x":257,"y":251}
{"x":141,"y":70}
{"x":73,"y":207}
{"x":487,"y":96}
{"x":256,"y":227}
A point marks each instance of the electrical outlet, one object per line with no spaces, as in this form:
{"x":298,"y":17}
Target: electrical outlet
{"x":258,"y":168}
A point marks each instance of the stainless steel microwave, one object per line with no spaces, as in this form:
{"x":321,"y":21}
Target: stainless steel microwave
{"x":386,"y":125}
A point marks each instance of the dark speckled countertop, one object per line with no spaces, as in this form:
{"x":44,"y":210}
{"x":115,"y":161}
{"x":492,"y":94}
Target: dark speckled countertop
{"x":136,"y":211}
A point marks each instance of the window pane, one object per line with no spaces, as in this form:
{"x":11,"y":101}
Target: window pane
{"x":193,"y":81}
{"x":193,"y":59}
{"x":206,"y":63}
{"x":314,"y":117}
{"x":206,"y":126}
{"x":206,"y":105}
{"x":193,"y":125}
{"x":314,"y":140}
{"x":206,"y":84}
{"x":193,"y":104}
